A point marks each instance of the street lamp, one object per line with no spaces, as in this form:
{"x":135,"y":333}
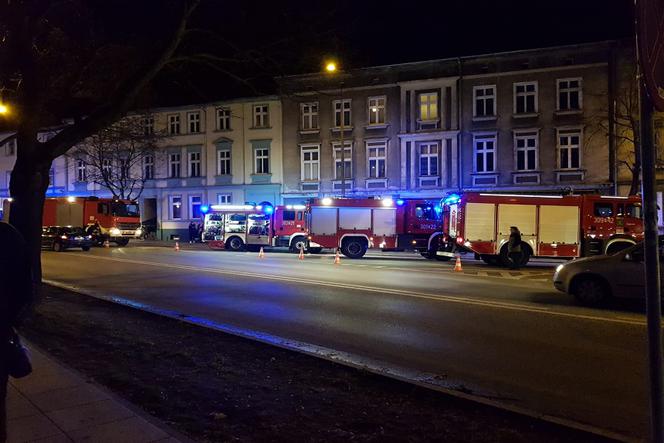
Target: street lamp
{"x":4,"y":109}
{"x":331,"y":68}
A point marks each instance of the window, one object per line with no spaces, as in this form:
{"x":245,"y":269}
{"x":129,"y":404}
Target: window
{"x":569,"y":148}
{"x":289,"y":216}
{"x":224,"y":162}
{"x":309,"y":116}
{"x":569,"y":94}
{"x":603,"y":210}
{"x":310,"y":163}
{"x":428,"y":102}
{"x":195,"y":202}
{"x":81,"y":171}
{"x":345,"y":168}
{"x":194,"y":121}
{"x":485,"y":153}
{"x":148,"y":125}
{"x":376,"y":154}
{"x":174,"y":165}
{"x":176,"y":207}
{"x":376,"y":110}
{"x":223,"y":119}
{"x":10,"y":148}
{"x":106,"y":167}
{"x":525,"y":146}
{"x":174,"y":124}
{"x":261,"y":116}
{"x":525,"y":98}
{"x":633,"y":210}
{"x":124,"y":168}
{"x":342,"y":107}
{"x":428,"y":159}
{"x":224,"y":199}
{"x":148,"y":167}
{"x":262,"y":160}
{"x":484,"y":98}
{"x":195,"y":164}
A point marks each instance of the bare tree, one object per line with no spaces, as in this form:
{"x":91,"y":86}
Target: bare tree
{"x":120,"y":157}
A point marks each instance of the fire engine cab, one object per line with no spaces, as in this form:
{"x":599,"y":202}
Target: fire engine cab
{"x":239,"y":227}
{"x":551,"y":225}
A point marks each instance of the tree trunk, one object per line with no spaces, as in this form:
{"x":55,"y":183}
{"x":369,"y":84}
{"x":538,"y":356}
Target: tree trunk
{"x":29,"y":182}
{"x":635,"y":186}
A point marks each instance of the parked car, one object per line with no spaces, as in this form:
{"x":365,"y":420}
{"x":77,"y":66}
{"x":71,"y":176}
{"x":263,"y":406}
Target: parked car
{"x":593,"y":280}
{"x":59,"y":238}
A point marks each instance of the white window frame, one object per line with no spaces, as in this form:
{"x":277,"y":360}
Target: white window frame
{"x":81,"y":171}
{"x":192,"y":204}
{"x":432,"y":158}
{"x":376,"y":158}
{"x":194,"y":163}
{"x":171,"y":205}
{"x":148,"y":165}
{"x":310,"y":163}
{"x":483,"y":98}
{"x":174,"y":124}
{"x":194,"y":122}
{"x":429,"y":104}
{"x":569,"y":133}
{"x":347,"y":105}
{"x":348,"y":158}
{"x":569,"y":90}
{"x":224,"y":158}
{"x":374,"y":107}
{"x":107,"y":167}
{"x":525,"y":96}
{"x":309,"y":116}
{"x":148,"y":125}
{"x":223,"y":118}
{"x":261,"y":154}
{"x":525,"y":136}
{"x":224,"y":198}
{"x":483,"y":139}
{"x":172,"y":162}
{"x":261,"y":115}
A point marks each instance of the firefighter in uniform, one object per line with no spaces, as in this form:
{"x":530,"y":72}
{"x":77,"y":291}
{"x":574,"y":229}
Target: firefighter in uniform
{"x":514,"y":247}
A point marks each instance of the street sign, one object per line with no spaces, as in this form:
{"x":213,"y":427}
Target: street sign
{"x":650,"y":38}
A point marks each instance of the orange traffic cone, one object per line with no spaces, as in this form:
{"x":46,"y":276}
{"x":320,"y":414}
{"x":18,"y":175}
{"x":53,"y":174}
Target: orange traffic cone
{"x":177,"y":246}
{"x":337,"y":258}
{"x":107,"y":244}
{"x":261,"y":254}
{"x":301,"y":255}
{"x":457,"y":265}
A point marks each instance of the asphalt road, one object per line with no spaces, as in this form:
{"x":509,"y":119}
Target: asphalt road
{"x":507,"y":336}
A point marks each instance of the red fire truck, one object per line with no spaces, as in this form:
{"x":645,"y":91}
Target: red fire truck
{"x":551,"y":225}
{"x":238,"y":227}
{"x":109,"y":219}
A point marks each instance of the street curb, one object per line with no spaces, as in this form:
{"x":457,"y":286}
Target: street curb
{"x":422,"y":379}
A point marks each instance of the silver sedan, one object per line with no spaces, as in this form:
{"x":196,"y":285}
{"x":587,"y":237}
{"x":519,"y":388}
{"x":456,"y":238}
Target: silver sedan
{"x":593,"y":280}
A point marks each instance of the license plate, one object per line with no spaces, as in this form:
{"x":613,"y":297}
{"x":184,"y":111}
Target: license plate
{"x":444,"y":254}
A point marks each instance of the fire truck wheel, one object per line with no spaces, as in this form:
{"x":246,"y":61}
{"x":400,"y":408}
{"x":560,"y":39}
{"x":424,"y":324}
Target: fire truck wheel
{"x":122,"y":242}
{"x":589,"y":290}
{"x":525,"y":255}
{"x":297,"y":244}
{"x":235,"y":244}
{"x":616,"y":247}
{"x":353,"y":248}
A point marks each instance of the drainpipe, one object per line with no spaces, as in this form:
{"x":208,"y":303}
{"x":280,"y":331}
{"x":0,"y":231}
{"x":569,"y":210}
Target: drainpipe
{"x":460,"y":126}
{"x":612,"y":74}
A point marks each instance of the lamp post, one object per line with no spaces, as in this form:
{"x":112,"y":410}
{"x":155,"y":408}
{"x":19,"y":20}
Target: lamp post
{"x":331,"y":67}
{"x":4,"y":109}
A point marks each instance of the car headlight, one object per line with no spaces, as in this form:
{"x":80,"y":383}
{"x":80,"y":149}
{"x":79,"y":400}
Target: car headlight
{"x":115,"y":232}
{"x":64,"y":237}
{"x":559,"y":268}
{"x":139,"y":231}
{"x":88,"y":237}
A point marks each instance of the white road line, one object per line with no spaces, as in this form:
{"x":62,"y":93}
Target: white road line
{"x":412,"y":294}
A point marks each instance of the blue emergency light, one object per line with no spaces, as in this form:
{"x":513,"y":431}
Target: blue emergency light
{"x":400,"y":202}
{"x":452,"y":199}
{"x":205,"y":209}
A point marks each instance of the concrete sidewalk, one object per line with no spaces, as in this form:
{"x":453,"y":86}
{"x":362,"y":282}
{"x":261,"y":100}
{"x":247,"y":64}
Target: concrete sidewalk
{"x":55,"y":404}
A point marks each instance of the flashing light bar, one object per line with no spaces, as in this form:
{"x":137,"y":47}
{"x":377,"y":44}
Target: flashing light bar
{"x":522,"y":195}
{"x":296,"y":207}
{"x":611,"y":196}
{"x":233,"y":207}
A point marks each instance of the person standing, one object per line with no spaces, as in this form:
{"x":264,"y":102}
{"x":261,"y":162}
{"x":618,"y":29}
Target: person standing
{"x":192,"y":232}
{"x":16,"y":293}
{"x":514,"y":247}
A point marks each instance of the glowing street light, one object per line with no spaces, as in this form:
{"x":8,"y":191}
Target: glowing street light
{"x":4,"y":109}
{"x":331,"y":66}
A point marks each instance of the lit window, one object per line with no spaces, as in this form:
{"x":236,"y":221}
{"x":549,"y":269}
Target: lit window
{"x":176,"y":207}
{"x":428,"y":102}
{"x":376,"y":155}
{"x":376,"y":110}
